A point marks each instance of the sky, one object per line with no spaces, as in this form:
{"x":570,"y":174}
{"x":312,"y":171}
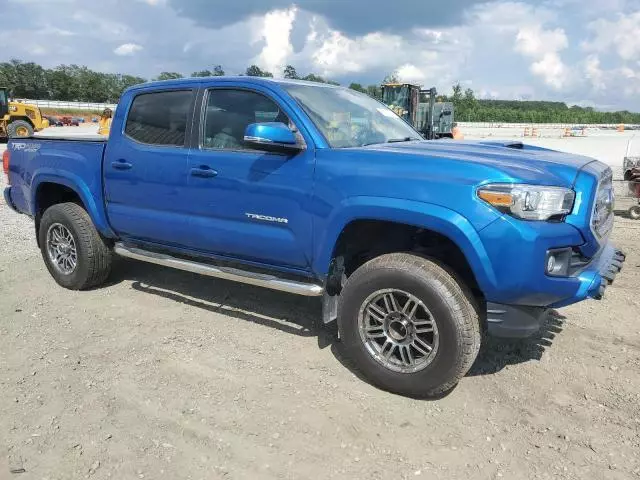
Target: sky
{"x":584,"y":52}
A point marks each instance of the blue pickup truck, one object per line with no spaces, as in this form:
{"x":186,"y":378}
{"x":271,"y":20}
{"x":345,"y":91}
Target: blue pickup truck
{"x":417,"y":248}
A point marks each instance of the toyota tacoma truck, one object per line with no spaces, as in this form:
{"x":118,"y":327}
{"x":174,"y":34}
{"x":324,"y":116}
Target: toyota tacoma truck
{"x":417,"y":248}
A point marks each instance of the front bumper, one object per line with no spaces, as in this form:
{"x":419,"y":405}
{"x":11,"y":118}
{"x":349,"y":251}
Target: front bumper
{"x":517,"y":321}
{"x":603,"y":271}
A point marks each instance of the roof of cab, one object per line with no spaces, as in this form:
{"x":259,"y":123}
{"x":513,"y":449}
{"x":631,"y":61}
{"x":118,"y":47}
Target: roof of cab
{"x":180,"y":82}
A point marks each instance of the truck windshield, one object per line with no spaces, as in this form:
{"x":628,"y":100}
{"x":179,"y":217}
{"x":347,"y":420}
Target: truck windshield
{"x":348,"y":118}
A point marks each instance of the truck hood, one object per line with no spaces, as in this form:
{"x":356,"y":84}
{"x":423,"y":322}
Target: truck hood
{"x":522,"y":162}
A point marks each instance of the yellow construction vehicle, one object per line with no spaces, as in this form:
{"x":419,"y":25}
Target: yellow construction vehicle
{"x":420,"y":109}
{"x":19,"y":119}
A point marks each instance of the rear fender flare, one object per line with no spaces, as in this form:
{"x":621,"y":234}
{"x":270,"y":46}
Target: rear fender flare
{"x":75,"y":183}
{"x":424,"y":215}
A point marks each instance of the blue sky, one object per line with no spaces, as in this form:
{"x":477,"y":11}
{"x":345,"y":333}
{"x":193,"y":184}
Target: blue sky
{"x":578,"y":51}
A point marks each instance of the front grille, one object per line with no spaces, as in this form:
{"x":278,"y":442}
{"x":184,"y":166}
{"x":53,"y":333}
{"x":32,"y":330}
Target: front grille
{"x":602,"y":216}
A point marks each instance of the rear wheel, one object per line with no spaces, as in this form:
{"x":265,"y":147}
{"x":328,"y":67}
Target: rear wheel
{"x":19,"y":129}
{"x":408,"y":325}
{"x":74,"y":252}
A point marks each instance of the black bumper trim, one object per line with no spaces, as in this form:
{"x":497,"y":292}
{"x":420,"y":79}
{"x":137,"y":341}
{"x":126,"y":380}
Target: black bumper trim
{"x":609,"y":272}
{"x":514,"y":321}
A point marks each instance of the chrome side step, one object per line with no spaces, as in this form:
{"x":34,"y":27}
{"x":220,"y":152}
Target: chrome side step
{"x":228,"y":273}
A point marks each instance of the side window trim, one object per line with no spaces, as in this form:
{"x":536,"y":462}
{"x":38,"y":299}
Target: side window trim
{"x":199,"y":133}
{"x":189,"y":117}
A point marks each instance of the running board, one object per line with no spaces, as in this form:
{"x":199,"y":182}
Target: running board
{"x":227,"y":273}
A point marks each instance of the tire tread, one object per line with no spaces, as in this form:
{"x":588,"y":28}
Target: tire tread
{"x":452,"y":291}
{"x":98,"y":253}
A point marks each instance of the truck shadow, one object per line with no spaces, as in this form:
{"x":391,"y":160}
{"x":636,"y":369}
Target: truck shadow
{"x":497,"y":353}
{"x":291,"y":314}
{"x":302,"y":316}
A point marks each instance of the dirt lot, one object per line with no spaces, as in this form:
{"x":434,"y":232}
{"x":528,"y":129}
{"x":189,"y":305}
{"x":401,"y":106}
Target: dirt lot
{"x":164,"y":374}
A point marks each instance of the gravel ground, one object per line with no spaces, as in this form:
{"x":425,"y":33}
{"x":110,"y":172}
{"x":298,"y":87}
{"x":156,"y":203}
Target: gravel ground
{"x":165,"y":374}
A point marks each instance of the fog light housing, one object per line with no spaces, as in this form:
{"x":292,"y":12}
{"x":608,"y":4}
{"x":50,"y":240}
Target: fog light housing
{"x":558,"y":262}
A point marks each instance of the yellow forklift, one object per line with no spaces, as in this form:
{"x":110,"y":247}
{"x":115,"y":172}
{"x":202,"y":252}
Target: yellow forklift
{"x":19,"y":119}
{"x":419,"y":108}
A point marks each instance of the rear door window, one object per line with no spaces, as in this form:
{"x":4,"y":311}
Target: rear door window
{"x":160,"y":118}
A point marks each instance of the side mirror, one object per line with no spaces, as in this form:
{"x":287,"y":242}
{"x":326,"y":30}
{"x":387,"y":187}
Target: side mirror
{"x":271,"y":137}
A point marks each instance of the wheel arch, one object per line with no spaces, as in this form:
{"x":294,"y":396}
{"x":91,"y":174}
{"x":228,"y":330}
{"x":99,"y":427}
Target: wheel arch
{"x":49,"y":188}
{"x":409,"y":215}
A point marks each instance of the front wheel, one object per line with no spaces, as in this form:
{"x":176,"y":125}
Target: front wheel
{"x":74,"y":252}
{"x":634,"y":212}
{"x":408,"y":325}
{"x":19,"y":129}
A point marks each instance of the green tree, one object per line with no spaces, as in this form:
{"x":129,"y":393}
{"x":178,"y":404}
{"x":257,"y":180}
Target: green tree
{"x":217,"y":72}
{"x":457,"y":93}
{"x":374,"y":91}
{"x":169,"y":76}
{"x":312,"y":77}
{"x":391,"y":78}
{"x":358,"y":87}
{"x":256,"y":71}
{"x":25,"y":80}
{"x":202,"y":73}
{"x":290,"y":72}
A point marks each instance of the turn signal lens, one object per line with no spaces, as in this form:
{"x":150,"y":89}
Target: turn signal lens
{"x":529,"y":202}
{"x":497,"y":199}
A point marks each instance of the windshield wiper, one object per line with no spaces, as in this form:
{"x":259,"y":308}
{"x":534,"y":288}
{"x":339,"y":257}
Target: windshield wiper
{"x":393,"y":140}
{"x":398,"y":140}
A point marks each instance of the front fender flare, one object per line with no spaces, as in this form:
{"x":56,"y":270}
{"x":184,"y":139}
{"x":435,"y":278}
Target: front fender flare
{"x":75,"y":183}
{"x":424,"y":215}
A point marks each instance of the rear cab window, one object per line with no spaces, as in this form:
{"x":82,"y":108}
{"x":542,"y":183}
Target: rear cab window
{"x":160,"y":118}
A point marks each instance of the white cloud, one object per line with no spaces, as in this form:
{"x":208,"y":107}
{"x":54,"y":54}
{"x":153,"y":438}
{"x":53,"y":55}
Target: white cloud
{"x":536,"y":42}
{"x":410,"y":73}
{"x":37,"y":50}
{"x":551,"y":68}
{"x":127,"y":49}
{"x":276,"y":32}
{"x":620,"y":35}
{"x":543,"y":46}
{"x":594,"y":73}
{"x":337,"y":54}
{"x":567,"y":50}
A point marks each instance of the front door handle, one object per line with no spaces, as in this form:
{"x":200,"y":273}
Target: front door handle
{"x":203,"y":171}
{"x":121,"y":165}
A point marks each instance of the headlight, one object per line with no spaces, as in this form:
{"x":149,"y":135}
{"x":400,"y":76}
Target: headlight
{"x":529,"y":202}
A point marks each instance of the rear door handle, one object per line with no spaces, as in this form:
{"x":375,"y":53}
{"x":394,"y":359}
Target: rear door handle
{"x":203,"y":171}
{"x":121,"y":165}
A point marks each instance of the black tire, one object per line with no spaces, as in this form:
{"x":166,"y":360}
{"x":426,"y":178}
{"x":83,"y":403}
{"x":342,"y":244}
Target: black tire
{"x":94,"y":256}
{"x":450,"y":303}
{"x":634,"y":212}
{"x":16,"y":126}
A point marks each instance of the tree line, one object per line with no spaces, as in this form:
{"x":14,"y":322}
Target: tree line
{"x":81,"y":84}
{"x":470,"y":109}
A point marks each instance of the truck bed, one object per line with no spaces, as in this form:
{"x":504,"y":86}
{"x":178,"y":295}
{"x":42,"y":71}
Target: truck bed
{"x":72,"y":161}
